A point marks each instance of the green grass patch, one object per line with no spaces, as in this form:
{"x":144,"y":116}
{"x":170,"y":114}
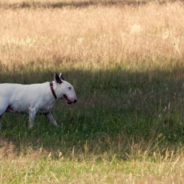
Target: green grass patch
{"x":115,"y":108}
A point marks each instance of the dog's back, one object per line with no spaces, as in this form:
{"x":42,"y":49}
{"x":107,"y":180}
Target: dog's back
{"x":21,"y":97}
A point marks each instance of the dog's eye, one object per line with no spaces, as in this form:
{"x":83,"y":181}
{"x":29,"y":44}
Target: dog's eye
{"x":69,"y":88}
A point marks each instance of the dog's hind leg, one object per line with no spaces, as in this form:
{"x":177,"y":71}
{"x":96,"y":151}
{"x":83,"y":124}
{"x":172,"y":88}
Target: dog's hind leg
{"x":0,"y":123}
{"x":3,"y":108}
{"x":51,"y":119}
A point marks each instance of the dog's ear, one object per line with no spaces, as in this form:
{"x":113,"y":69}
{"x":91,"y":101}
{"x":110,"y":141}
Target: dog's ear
{"x":61,"y":76}
{"x":57,"y":79}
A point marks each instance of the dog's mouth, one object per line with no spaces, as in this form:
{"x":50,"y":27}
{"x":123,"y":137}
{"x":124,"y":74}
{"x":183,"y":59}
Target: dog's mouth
{"x":66,"y":99}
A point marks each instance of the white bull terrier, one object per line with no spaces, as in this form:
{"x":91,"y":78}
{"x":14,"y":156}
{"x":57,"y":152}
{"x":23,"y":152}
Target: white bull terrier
{"x":35,"y":98}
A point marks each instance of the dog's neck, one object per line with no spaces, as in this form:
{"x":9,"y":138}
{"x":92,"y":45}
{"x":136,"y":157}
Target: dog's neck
{"x":52,"y":89}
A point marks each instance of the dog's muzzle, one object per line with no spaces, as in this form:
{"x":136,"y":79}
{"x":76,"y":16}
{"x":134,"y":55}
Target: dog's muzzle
{"x":69,"y":101}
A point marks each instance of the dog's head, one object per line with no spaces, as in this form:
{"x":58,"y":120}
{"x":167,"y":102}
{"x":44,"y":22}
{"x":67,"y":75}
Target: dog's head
{"x":64,"y":89}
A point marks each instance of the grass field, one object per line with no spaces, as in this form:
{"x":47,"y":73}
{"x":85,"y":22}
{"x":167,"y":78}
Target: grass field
{"x":125,"y":60}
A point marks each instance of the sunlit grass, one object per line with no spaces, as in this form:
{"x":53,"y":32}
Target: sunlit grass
{"x":46,"y":170}
{"x":95,"y":36}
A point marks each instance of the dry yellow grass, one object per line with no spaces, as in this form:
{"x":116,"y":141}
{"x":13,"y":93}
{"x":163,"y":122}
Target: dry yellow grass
{"x":94,"y":36}
{"x":47,"y":170}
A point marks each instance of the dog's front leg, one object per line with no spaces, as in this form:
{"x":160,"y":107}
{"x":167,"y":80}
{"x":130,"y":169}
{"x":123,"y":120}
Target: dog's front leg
{"x":51,"y":119}
{"x":32,"y":114}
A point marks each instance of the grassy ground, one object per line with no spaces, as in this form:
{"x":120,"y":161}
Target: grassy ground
{"x":125,"y":61}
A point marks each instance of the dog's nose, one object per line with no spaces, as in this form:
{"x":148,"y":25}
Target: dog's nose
{"x":74,"y":101}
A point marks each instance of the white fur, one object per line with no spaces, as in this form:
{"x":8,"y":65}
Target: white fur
{"x":34,"y":98}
